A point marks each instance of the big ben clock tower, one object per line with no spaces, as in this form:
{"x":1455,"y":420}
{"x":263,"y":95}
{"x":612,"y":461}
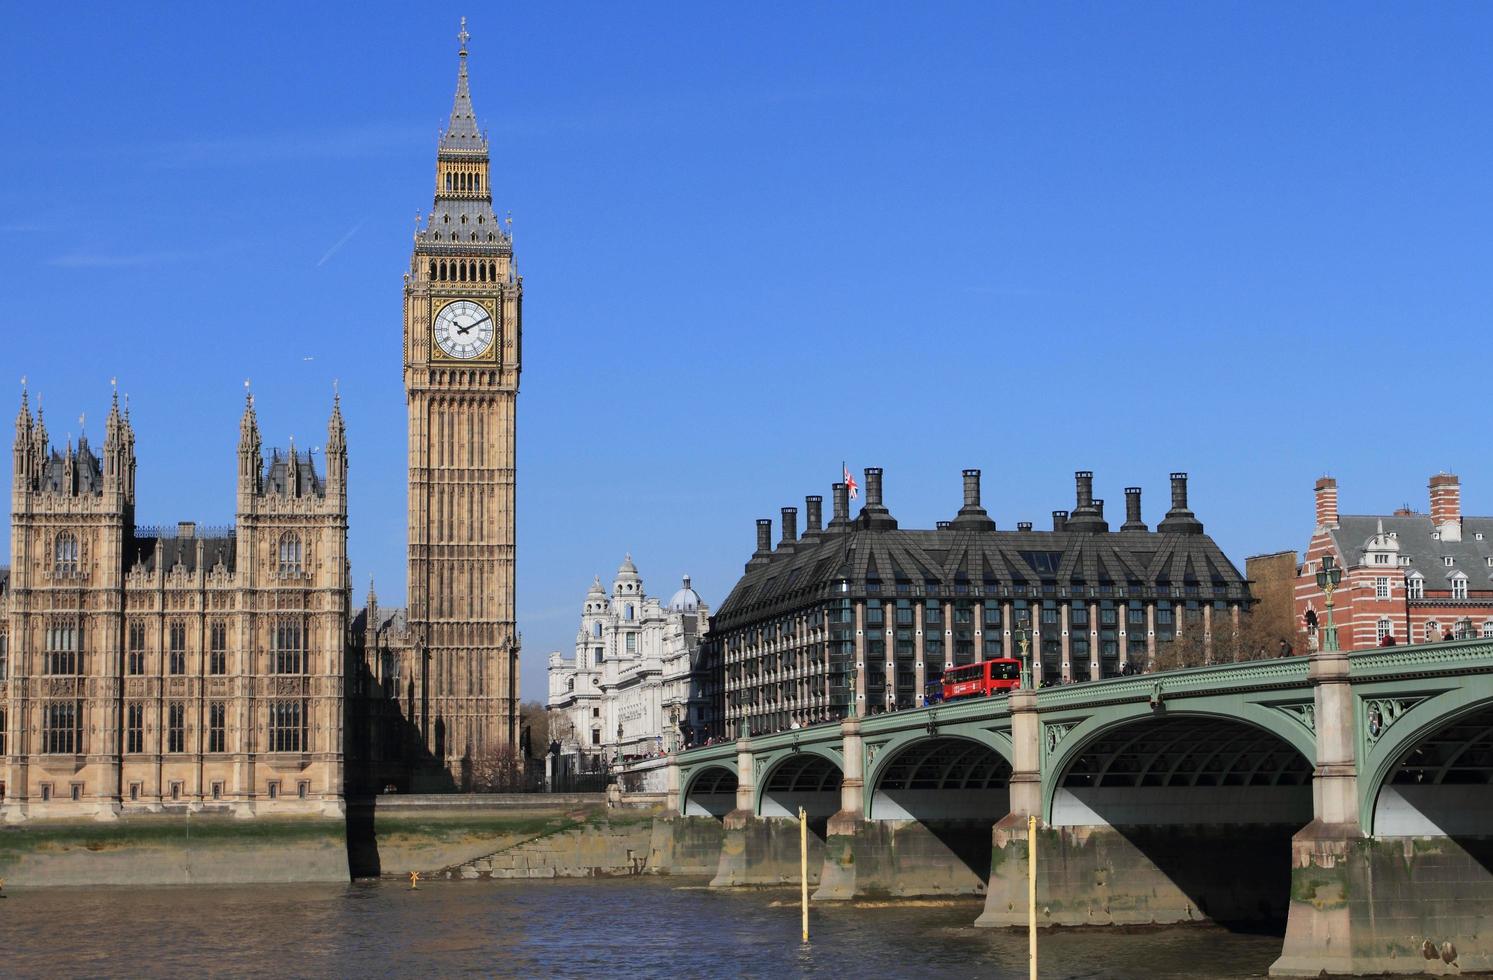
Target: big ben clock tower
{"x":463,"y":306}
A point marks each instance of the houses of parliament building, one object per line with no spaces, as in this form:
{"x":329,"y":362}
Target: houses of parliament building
{"x":182,"y":667}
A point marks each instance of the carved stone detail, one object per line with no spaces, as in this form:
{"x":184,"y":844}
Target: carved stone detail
{"x":1380,"y":713}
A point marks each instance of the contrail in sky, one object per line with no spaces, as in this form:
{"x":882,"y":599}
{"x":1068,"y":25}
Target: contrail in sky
{"x":340,"y":242}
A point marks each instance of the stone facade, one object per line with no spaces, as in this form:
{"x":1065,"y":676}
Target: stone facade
{"x":151,"y":669}
{"x":636,"y":684}
{"x":462,"y":345}
{"x":1407,"y":576}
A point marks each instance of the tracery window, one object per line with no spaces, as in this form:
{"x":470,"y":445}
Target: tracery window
{"x":288,"y":647}
{"x":62,"y":732}
{"x":285,"y":726}
{"x":62,"y":649}
{"x":290,"y":554}
{"x":178,"y":648}
{"x":176,"y":727}
{"x":65,"y":554}
{"x":135,"y":659}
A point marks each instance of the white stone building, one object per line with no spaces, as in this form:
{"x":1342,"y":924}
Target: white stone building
{"x":635,"y":685}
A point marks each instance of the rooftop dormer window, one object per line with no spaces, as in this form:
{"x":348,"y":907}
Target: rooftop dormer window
{"x":1448,"y":561}
{"x":1416,"y":587}
{"x":1459,"y":587}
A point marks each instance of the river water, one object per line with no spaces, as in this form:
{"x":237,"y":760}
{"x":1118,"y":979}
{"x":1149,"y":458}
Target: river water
{"x":628,"y":927}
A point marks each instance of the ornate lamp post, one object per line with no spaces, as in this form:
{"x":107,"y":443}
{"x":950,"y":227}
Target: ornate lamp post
{"x":674,"y":728}
{"x":617,"y":753}
{"x":1328,"y":579}
{"x":1024,"y":640}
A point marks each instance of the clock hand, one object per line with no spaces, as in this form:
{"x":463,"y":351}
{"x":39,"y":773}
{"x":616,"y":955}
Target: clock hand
{"x":468,"y":327}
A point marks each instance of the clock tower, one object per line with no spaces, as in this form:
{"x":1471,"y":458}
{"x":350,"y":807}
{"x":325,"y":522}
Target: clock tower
{"x":463,"y":307}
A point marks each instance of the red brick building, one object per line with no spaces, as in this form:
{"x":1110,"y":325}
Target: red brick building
{"x":1406,"y":575}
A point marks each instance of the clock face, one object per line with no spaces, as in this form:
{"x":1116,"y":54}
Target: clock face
{"x":463,"y":329}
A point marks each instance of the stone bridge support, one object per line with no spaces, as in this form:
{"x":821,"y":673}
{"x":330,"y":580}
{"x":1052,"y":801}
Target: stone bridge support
{"x":837,"y":877}
{"x":758,"y":850}
{"x":1383,"y":903}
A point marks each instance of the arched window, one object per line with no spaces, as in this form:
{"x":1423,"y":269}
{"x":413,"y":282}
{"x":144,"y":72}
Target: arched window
{"x":1487,"y":628}
{"x":443,"y":272}
{"x":461,"y":272}
{"x":290,"y":553}
{"x":477,"y":183}
{"x":482,"y":272}
{"x":1433,"y":630}
{"x":65,"y":555}
{"x":448,"y":181}
{"x":432,"y":268}
{"x":1383,"y":629}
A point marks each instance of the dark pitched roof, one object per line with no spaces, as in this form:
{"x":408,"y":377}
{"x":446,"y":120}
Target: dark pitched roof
{"x":88,"y":474}
{"x":277,"y":480}
{"x":1427,"y":554}
{"x":969,"y":562}
{"x":166,"y":552}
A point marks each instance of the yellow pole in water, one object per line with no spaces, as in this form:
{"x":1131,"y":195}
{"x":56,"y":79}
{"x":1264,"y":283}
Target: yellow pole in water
{"x":803,"y":866}
{"x":1031,"y":892}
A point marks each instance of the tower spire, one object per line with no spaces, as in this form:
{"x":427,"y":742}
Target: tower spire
{"x":462,"y":132}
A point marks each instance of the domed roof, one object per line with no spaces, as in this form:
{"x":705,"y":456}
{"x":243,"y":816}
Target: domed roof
{"x":596,"y":588}
{"x":627,"y":568}
{"x":686,"y":599}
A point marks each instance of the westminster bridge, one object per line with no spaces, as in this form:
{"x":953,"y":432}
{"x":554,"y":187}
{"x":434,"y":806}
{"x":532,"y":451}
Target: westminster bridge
{"x":1348,"y":794}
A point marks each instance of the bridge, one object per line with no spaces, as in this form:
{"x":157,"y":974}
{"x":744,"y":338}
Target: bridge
{"x":1348,"y":795}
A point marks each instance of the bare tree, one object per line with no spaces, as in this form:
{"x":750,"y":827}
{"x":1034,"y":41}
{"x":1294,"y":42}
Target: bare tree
{"x":498,"y":771}
{"x":1258,"y":637}
{"x":536,"y":718}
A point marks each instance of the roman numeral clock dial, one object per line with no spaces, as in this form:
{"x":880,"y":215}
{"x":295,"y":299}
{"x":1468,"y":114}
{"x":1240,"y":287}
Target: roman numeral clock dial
{"x":463,"y":330}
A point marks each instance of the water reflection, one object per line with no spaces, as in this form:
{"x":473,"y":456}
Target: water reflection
{"x":582,"y":928}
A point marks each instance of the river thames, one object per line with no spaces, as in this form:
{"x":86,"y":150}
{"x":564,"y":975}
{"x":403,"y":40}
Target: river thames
{"x":646,"y":927}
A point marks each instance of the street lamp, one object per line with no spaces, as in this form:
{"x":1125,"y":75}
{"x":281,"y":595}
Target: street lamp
{"x":1328,"y":579}
{"x":617,"y":754}
{"x":674,"y":728}
{"x":1024,"y":640}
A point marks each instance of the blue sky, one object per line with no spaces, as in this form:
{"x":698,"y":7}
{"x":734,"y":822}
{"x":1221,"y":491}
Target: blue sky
{"x":1247,"y":241}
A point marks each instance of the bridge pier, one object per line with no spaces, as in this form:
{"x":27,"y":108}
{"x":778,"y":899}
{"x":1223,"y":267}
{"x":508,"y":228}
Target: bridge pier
{"x":758,"y":850}
{"x":1382,"y":904}
{"x":837,"y":878}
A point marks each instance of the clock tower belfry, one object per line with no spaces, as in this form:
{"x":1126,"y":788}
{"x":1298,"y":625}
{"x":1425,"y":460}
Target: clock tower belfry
{"x":463,"y":305}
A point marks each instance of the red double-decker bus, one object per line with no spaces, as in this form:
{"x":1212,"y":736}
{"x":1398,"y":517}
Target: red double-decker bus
{"x":978,"y":680}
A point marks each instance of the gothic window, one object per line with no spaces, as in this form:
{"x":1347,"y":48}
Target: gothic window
{"x":432,"y":268}
{"x":285,"y":726}
{"x":290,"y":553}
{"x":463,"y":219}
{"x":289,"y":647}
{"x":443,"y":271}
{"x":218,"y":648}
{"x":461,"y":272}
{"x":176,"y":727}
{"x":2,"y":736}
{"x":134,"y":728}
{"x":65,"y":555}
{"x":477,"y":183}
{"x":217,"y":713}
{"x":62,"y":649}
{"x":62,"y":732}
{"x":135,"y":659}
{"x":177,"y":648}
{"x":482,"y":272}
{"x":4,"y":660}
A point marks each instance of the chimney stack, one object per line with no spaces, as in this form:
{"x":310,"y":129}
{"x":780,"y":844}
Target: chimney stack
{"x":971,"y":488}
{"x":841,"y":494}
{"x":1180,"y":520}
{"x":1446,"y":506}
{"x":1060,"y":520}
{"x":1326,"y":495}
{"x":874,"y":515}
{"x":764,"y":536}
{"x":1023,"y":525}
{"x":972,"y":514}
{"x":814,"y":514}
{"x":790,"y":526}
{"x":943,"y":525}
{"x":1085,"y":481}
{"x":1099,"y":508}
{"x":1133,"y":520}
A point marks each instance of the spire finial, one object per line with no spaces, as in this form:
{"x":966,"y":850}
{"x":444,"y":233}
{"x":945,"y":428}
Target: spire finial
{"x":336,"y":392}
{"x":463,"y":37}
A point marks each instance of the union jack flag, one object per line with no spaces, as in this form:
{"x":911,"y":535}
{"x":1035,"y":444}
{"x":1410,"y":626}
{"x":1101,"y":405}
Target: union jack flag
{"x":850,"y":482}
